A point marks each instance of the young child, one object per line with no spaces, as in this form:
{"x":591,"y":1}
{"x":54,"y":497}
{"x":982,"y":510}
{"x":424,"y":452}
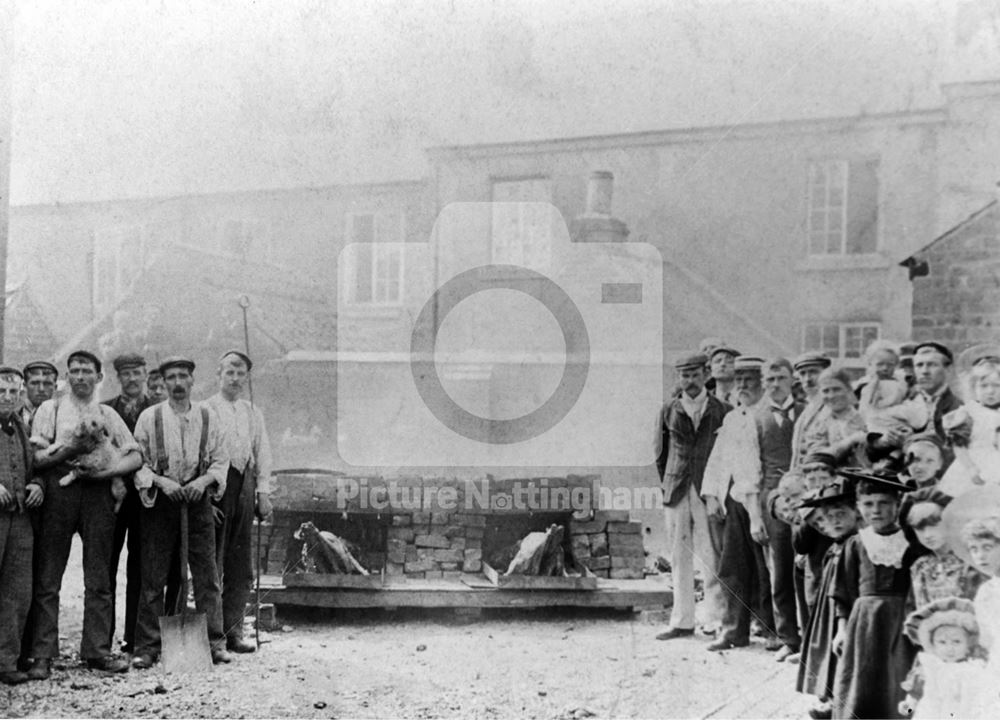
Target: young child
{"x":974,"y":431}
{"x":818,"y":468}
{"x":924,"y":458}
{"x":833,"y":508}
{"x":870,"y":590}
{"x":950,"y":680}
{"x":940,"y":573}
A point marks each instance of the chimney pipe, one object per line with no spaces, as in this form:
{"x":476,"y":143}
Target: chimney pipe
{"x":600,"y":190}
{"x":596,"y":224}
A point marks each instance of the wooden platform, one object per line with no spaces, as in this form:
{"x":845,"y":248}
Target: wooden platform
{"x":471,"y":591}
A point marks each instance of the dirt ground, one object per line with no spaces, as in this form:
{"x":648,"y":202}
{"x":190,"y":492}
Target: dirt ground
{"x":557,"y":663}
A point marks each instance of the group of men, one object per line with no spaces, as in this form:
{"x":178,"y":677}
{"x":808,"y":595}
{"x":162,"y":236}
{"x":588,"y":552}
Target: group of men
{"x":735,"y":426}
{"x":209,"y":460}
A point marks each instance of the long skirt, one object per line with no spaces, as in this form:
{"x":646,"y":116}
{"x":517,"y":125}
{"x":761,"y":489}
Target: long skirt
{"x":876,"y":659}
{"x":818,"y":663}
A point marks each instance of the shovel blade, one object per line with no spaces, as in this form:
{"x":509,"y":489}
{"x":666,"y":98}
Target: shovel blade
{"x":184,"y":643}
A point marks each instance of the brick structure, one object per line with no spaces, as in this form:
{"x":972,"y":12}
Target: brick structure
{"x":458,"y":525}
{"x":956,"y":283}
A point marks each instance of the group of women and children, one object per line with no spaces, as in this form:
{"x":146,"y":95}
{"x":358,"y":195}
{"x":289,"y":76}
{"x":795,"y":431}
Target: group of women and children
{"x":900,"y":547}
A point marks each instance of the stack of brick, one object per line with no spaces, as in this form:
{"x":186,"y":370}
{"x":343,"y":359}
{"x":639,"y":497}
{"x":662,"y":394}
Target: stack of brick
{"x":609,"y":545}
{"x":435,"y":545}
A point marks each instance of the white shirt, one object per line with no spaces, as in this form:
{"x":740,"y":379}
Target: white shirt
{"x":695,"y":406}
{"x":57,"y":420}
{"x":245,"y":437}
{"x":734,"y":465}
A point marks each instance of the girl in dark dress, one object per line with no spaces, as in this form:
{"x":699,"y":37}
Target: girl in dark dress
{"x":870,"y":590}
{"x":838,"y":520}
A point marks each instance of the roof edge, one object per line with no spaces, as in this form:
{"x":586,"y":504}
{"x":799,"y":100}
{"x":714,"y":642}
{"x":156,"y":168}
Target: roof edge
{"x":950,"y":231}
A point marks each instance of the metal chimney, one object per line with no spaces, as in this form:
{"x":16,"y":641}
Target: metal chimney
{"x":596,"y":224}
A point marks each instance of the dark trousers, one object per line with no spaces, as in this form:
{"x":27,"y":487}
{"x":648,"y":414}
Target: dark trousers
{"x":234,"y":551}
{"x":781,"y":564}
{"x":35,"y":516}
{"x":16,"y":541}
{"x":802,"y":603}
{"x":160,"y":530}
{"x":743,"y":576}
{"x":85,"y":507}
{"x":127,"y":529}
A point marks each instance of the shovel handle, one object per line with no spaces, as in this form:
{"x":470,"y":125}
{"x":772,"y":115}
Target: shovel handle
{"x":182,"y":598}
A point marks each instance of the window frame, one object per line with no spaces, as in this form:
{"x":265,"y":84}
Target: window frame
{"x":812,"y":208}
{"x":349,"y":278}
{"x":849,"y":165}
{"x":843,"y":327}
{"x":542,"y":257}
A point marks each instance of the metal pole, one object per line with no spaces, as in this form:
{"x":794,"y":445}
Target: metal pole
{"x":245,"y":305}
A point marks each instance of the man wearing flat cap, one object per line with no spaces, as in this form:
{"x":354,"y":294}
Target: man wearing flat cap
{"x":85,"y":507}
{"x":722,"y":363}
{"x":734,"y":466}
{"x":18,"y":492}
{"x":685,"y":435}
{"x":131,"y":371}
{"x":808,"y":367}
{"x":932,"y":363}
{"x":184,"y":463}
{"x":248,"y":488}
{"x":39,"y":385}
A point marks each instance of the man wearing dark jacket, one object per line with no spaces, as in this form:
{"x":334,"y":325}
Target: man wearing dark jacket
{"x":685,"y":435}
{"x":131,"y":371}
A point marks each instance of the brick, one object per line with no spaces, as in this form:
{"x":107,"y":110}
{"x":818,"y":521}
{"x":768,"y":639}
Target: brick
{"x":628,"y":528}
{"x":449,"y":566}
{"x":611,"y":515}
{"x":440,"y":518}
{"x":587,"y":528}
{"x":628,"y":553}
{"x":433,"y":541}
{"x":469,"y":520}
{"x":401,"y":520}
{"x":411,"y":553}
{"x":396,"y":551}
{"x":433,"y":575}
{"x":598,"y":563}
{"x":473,"y":543}
{"x":392,"y":568}
{"x":581,"y":552}
{"x":400,"y":533}
{"x":420,"y":565}
{"x":458,"y":543}
{"x":472,"y":566}
{"x":474,"y":532}
{"x":421,"y":518}
{"x":415,"y":575}
{"x":472,"y":554}
{"x":454,"y":531}
{"x":626,"y":574}
{"x":598,"y":544}
{"x":448,"y":555}
{"x":452,"y":575}
{"x":602,"y":573}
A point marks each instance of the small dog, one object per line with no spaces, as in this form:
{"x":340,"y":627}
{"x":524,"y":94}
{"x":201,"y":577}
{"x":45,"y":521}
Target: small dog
{"x":97,"y":451}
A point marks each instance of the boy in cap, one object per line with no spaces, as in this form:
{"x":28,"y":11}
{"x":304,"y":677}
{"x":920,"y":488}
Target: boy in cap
{"x":686,"y":430}
{"x":248,"y":487}
{"x":39,"y":385}
{"x":184,"y":462}
{"x":808,"y":367}
{"x":18,"y":492}
{"x":86,"y":508}
{"x":131,"y":371}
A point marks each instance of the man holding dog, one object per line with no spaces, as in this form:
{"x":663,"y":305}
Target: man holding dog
{"x":85,"y":506}
{"x":184,"y":464}
{"x":248,"y":488}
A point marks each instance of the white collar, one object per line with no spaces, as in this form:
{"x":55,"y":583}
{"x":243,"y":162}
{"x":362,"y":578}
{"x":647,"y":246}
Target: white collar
{"x":886,"y":550}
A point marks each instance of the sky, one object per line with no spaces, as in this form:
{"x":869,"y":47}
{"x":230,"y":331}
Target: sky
{"x":139,"y":99}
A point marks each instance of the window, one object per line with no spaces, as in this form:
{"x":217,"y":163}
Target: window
{"x":522,"y":226}
{"x":847,"y":341}
{"x":374,"y":268}
{"x":843,"y":207}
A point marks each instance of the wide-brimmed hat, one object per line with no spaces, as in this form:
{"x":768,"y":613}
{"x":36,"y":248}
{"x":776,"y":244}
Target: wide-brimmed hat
{"x":980,"y":504}
{"x":840,"y":490}
{"x":886,"y":478}
{"x":970,"y":357}
{"x":922,"y":622}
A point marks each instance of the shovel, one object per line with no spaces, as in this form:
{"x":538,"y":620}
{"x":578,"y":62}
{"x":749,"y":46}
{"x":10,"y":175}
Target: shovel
{"x":184,"y":636}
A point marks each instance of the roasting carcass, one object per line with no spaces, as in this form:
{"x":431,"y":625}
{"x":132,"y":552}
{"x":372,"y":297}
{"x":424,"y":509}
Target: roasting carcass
{"x":326,"y":552}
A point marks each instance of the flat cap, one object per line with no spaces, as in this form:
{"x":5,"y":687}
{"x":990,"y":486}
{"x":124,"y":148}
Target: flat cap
{"x":932,"y":346}
{"x":810,"y":358}
{"x":822,"y":457}
{"x":11,"y":370}
{"x":128,"y":360}
{"x":241,"y":355}
{"x":43,"y":365}
{"x":176,"y":361}
{"x":725,"y":349}
{"x":85,"y":355}
{"x":749,"y":363}
{"x":690,"y":361}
